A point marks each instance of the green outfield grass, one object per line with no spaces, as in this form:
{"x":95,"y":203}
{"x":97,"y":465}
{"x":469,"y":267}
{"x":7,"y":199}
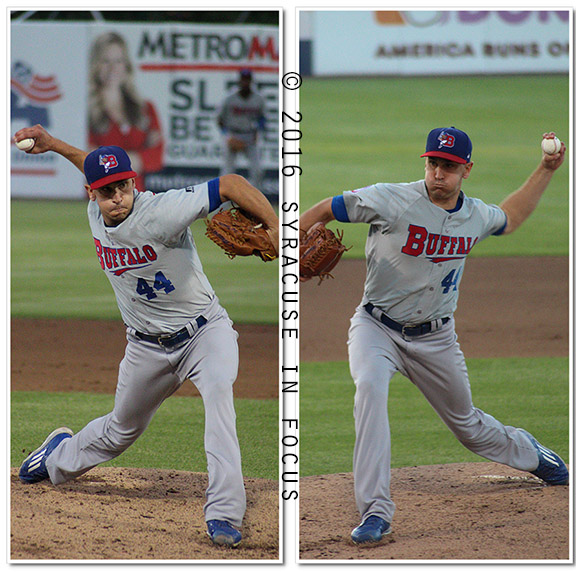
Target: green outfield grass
{"x":526,"y":392}
{"x":55,"y":271}
{"x":174,"y":439}
{"x":366,"y":130}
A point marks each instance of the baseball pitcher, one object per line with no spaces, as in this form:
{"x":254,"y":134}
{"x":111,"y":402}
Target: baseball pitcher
{"x":420,"y":235}
{"x":176,"y":328}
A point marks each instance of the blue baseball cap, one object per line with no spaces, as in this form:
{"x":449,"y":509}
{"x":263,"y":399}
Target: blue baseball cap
{"x":449,"y":143}
{"x":107,"y":165}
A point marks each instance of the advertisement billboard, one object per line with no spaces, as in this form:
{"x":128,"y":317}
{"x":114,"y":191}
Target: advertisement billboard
{"x":440,"y":42}
{"x":177,"y":78}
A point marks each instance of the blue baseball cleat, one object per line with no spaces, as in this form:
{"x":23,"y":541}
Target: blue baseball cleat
{"x":371,"y":530}
{"x":33,"y":469}
{"x":551,"y":468}
{"x":221,"y":532}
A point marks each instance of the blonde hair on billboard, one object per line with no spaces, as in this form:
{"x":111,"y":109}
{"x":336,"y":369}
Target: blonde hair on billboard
{"x":133,"y":104}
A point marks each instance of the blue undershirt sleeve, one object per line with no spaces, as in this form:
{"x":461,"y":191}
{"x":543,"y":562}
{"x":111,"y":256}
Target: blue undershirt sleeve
{"x":339,"y":209}
{"x":214,"y":194}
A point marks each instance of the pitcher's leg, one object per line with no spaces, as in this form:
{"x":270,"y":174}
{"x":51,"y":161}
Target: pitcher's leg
{"x":371,"y":367}
{"x":145,"y":380}
{"x":438,"y":368}
{"x":214,"y":372}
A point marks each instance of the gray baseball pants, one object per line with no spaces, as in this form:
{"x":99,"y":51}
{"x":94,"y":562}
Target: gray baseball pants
{"x":255,"y":172}
{"x":149,"y":374}
{"x":436,"y":365}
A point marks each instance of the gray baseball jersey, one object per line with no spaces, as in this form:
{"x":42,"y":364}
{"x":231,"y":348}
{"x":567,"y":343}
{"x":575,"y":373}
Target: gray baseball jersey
{"x":153,"y":266}
{"x":144,"y":258}
{"x":415,"y":255}
{"x":241,"y":115}
{"x":415,"y":251}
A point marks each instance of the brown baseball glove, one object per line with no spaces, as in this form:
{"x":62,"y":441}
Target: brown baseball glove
{"x":235,"y":144}
{"x":238,"y":233}
{"x":320,"y":251}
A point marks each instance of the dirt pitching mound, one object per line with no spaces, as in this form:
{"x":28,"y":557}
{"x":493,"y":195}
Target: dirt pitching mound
{"x":134,"y":514}
{"x":468,"y":511}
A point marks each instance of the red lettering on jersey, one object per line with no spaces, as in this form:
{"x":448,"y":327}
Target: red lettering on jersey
{"x":107,"y":257}
{"x":123,"y":258}
{"x":437,"y":247}
{"x":121,"y":255}
{"x":114,"y":254}
{"x":444,"y":240}
{"x":432,"y":243}
{"x":416,"y":239}
{"x":99,"y":252}
{"x":245,"y":110}
{"x":131,"y":260}
{"x":453,"y":243}
{"x":139,"y":257}
{"x":149,"y":252}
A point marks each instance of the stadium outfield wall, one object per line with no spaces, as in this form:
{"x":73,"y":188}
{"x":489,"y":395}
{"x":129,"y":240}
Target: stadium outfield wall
{"x":442,"y":42}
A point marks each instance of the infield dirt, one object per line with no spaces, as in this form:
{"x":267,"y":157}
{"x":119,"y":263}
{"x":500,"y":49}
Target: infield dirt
{"x":508,"y":307}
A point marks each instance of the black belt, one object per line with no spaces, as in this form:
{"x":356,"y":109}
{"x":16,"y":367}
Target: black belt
{"x":171,"y":340}
{"x":407,"y":330}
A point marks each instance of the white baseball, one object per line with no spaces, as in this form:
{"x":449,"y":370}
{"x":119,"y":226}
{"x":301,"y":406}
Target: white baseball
{"x":26,"y":144}
{"x":551,"y":146}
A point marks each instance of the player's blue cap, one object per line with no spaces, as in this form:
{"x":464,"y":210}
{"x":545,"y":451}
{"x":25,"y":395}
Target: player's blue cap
{"x":246,"y":72}
{"x":107,"y":165}
{"x":449,"y":143}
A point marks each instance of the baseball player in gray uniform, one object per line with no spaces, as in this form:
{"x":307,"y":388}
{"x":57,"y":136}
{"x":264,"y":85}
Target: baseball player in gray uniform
{"x":176,"y":327}
{"x":240,"y":118}
{"x":420,"y":235}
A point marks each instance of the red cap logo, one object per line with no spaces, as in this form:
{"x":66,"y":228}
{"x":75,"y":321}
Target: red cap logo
{"x":108,"y":162}
{"x":446,"y":140}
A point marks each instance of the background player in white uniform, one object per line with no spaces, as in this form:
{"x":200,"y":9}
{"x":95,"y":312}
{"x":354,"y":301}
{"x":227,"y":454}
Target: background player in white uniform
{"x":241,"y":117}
{"x":176,"y":328}
{"x":420,"y":234}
